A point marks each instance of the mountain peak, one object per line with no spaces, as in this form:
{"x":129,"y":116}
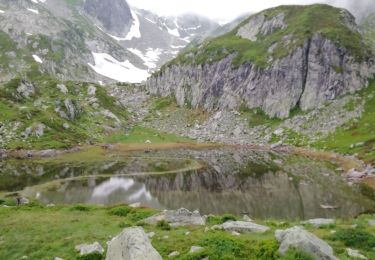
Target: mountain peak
{"x":114,"y":15}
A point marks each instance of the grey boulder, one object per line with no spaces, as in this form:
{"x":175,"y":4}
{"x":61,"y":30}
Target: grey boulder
{"x":243,"y":227}
{"x":88,"y":249}
{"x":319,"y":222}
{"x":300,"y":239}
{"x":180,"y":217}
{"x":131,"y":244}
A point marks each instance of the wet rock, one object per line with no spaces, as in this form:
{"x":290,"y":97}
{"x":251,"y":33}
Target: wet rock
{"x":87,"y":249}
{"x":180,"y":217}
{"x":131,"y":244}
{"x":195,"y":249}
{"x":319,"y":222}
{"x":355,"y":254}
{"x":300,"y":239}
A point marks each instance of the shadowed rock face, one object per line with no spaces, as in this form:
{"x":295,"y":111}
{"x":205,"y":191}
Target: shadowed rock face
{"x":114,"y":15}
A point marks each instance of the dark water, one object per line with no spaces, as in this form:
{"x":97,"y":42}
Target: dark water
{"x":237,"y":181}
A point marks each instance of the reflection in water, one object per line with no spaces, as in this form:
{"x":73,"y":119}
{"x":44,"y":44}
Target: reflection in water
{"x":262,"y":185}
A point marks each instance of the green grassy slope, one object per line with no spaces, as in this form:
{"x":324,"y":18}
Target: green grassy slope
{"x":302,"y":23}
{"x":41,"y":108}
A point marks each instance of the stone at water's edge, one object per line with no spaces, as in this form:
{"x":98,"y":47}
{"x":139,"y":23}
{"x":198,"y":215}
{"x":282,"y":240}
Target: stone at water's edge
{"x":318,"y":222}
{"x":242,"y":227}
{"x":131,"y":244}
{"x":180,"y":217}
{"x":300,"y":239}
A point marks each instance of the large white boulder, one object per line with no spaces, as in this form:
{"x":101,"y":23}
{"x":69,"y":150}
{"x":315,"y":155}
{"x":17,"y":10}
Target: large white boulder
{"x":300,"y":239}
{"x":132,"y":244}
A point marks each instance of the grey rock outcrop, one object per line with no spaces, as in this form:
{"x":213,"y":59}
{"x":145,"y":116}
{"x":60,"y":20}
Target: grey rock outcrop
{"x":300,"y":239}
{"x":131,"y":244}
{"x":317,"y":71}
{"x":114,"y":15}
{"x":180,"y":217}
{"x":26,"y":89}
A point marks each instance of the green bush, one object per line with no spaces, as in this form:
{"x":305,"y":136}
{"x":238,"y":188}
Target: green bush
{"x":81,"y":208}
{"x":355,"y":238}
{"x":293,"y":254}
{"x":94,"y":256}
{"x":216,"y":220}
{"x":163,"y":225}
{"x":122,"y":211}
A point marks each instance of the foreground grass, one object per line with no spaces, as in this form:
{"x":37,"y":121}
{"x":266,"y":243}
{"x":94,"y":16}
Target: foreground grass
{"x":46,"y":232}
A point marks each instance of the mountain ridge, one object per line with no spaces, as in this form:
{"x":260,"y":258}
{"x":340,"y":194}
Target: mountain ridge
{"x":304,"y":64}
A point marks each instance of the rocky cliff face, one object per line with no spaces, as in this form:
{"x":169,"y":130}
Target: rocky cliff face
{"x":114,"y":15}
{"x":271,"y":63}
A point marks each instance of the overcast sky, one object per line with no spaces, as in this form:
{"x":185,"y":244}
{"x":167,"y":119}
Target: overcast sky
{"x":225,"y":10}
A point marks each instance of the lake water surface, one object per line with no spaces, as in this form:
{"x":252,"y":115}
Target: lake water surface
{"x":226,"y":180}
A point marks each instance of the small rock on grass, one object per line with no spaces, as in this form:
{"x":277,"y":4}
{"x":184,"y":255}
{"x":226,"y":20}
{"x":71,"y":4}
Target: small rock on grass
{"x":88,"y":249}
{"x":174,"y":254}
{"x":355,"y":254}
{"x":195,"y":249}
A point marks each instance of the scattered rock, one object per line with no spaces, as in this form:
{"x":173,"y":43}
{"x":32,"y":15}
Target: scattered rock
{"x":147,"y":142}
{"x":151,"y":234}
{"x":234,"y":233}
{"x":131,"y":244}
{"x":87,"y":249}
{"x":329,"y":206}
{"x":22,"y":201}
{"x":62,"y":88}
{"x":91,"y":90}
{"x":247,"y":218}
{"x":355,"y":254}
{"x":241,"y":227}
{"x":279,"y":132}
{"x":318,"y":222}
{"x":26,"y":89}
{"x":195,"y":249}
{"x":66,"y":126}
{"x":180,"y":217}
{"x":174,"y":254}
{"x":58,"y":258}
{"x":371,"y":222}
{"x":135,"y":205}
{"x":300,"y":239}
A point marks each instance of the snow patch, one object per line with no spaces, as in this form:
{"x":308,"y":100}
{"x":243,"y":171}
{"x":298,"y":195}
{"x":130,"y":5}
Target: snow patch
{"x":177,"y":46}
{"x":38,"y":1}
{"x":174,"y":32}
{"x":111,"y":68}
{"x":151,"y":21}
{"x":134,"y":30}
{"x":150,"y":58}
{"x":33,"y":10}
{"x":37,"y":59}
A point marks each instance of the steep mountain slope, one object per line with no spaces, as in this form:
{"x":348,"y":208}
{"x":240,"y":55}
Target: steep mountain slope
{"x":368,"y":28}
{"x":90,"y":40}
{"x":277,"y":60}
